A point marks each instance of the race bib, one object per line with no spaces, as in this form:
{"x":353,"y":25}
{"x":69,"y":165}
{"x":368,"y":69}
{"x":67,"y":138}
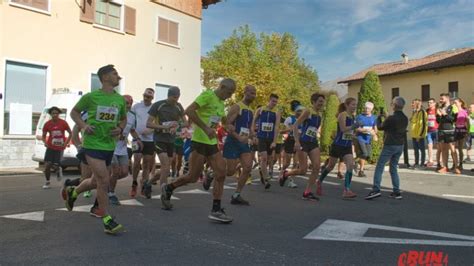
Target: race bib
{"x":348,"y":135}
{"x":267,"y":127}
{"x":214,"y":121}
{"x":431,"y":123}
{"x":368,"y":129}
{"x":57,"y":142}
{"x":311,"y":132}
{"x":106,"y":114}
{"x":244,"y":132}
{"x":168,"y":123}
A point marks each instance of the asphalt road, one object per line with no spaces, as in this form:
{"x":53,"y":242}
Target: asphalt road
{"x":271,"y":231}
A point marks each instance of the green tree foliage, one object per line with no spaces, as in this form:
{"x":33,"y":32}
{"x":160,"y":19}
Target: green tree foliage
{"x":270,"y":62}
{"x":329,"y":125}
{"x":371,"y":91}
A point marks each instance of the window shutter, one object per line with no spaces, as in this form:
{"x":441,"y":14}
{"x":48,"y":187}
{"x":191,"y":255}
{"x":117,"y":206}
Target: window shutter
{"x":130,"y":20}
{"x":173,"y":33}
{"x":163,"y":30}
{"x":88,"y":11}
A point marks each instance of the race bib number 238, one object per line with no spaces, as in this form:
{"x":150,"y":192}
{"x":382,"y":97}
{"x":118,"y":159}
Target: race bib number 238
{"x":106,"y":114}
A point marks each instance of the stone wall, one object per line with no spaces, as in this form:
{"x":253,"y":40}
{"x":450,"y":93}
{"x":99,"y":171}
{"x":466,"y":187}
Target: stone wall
{"x":16,"y":153}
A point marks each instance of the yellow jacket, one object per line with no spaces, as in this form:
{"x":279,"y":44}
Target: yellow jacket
{"x":418,"y":124}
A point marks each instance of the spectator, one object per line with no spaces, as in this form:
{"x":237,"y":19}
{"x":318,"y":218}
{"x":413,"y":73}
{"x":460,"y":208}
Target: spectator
{"x":366,"y":131}
{"x":461,"y":127}
{"x":432,"y":135}
{"x":418,"y":129}
{"x":394,"y":127}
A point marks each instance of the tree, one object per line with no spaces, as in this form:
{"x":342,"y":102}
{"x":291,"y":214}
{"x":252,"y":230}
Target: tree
{"x":329,"y":125}
{"x":270,"y":62}
{"x":371,"y":91}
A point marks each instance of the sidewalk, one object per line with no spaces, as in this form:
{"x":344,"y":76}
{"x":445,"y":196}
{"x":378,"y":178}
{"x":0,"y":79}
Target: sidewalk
{"x":20,"y":171}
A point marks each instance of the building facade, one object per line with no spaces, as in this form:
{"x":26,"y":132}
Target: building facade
{"x":49,"y":44}
{"x":444,"y":72}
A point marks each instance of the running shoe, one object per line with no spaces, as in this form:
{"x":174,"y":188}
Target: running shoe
{"x":292,"y":184}
{"x":147,"y":189}
{"x":468,"y":159}
{"x":206,"y":184}
{"x":310,"y":196}
{"x":319,"y":188}
{"x":63,"y":189}
{"x":430,"y":164}
{"x":457,"y":171}
{"x":46,"y":185}
{"x":283,"y":178}
{"x":133,"y":191}
{"x":87,"y":194}
{"x":249,"y":180}
{"x":114,"y":200}
{"x":70,"y":199}
{"x":361,"y":174}
{"x":347,"y":194}
{"x":267,"y":184}
{"x":96,"y":212}
{"x":396,"y":195}
{"x":166,"y":193}
{"x":373,"y":194}
{"x":340,"y":175}
{"x":238,"y":201}
{"x":220,"y":216}
{"x":110,"y":226}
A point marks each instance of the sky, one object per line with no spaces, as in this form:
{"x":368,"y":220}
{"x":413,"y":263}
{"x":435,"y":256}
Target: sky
{"x":341,"y":37}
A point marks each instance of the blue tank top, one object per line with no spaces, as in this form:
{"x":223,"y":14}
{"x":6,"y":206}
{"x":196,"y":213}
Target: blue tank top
{"x":266,"y":124}
{"x":292,"y":122}
{"x":244,"y":120}
{"x":345,"y":139}
{"x":310,"y":128}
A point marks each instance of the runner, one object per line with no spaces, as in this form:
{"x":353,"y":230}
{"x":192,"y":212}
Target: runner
{"x":164,"y":117}
{"x":147,"y":151}
{"x":366,"y":131}
{"x":307,"y":142}
{"x":267,"y":119}
{"x":106,"y":121}
{"x":289,"y":144}
{"x":461,"y":128}
{"x":432,"y":135}
{"x":177,"y":160}
{"x":236,"y":147}
{"x":120,"y":158}
{"x":205,"y":112}
{"x":446,"y":137}
{"x":341,"y":148}
{"x":55,"y":143}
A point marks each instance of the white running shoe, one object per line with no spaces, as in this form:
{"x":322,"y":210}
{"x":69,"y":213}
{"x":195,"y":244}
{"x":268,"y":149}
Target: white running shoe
{"x":292,"y":184}
{"x":46,"y":185}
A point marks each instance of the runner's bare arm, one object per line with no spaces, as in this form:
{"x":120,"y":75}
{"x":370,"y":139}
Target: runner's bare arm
{"x":193,"y":117}
{"x":69,"y":137}
{"x":152,"y":123}
{"x":75,"y":136}
{"x":231,"y":117}
{"x":341,"y":119}
{"x":255,"y":119}
{"x":76,"y":117}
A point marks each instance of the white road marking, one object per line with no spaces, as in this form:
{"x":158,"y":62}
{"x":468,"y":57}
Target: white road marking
{"x":31,"y":216}
{"x":159,"y":197}
{"x":131,"y":202}
{"x":83,"y":208}
{"x":338,"y":230}
{"x":193,"y":191}
{"x":458,"y":196}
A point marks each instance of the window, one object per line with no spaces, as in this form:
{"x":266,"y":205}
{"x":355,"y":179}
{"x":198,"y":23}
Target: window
{"x":36,"y":5}
{"x":168,"y":31}
{"x":25,"y":92}
{"x":108,"y":13}
{"x":395,"y":92}
{"x":453,"y":89}
{"x":161,"y":91}
{"x":425,"y":92}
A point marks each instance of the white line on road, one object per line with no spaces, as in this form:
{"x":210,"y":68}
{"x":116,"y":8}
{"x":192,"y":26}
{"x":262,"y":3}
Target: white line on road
{"x":458,"y":196}
{"x":32,"y":216}
{"x":338,"y":230}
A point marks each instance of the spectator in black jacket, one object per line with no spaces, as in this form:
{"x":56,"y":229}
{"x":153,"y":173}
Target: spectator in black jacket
{"x":394,"y":128}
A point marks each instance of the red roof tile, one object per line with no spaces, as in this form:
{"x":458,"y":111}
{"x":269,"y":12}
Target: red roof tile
{"x":450,"y":58}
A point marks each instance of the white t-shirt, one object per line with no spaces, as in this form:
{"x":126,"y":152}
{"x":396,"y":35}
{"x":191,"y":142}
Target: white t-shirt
{"x":121,"y":147}
{"x":141,"y":111}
